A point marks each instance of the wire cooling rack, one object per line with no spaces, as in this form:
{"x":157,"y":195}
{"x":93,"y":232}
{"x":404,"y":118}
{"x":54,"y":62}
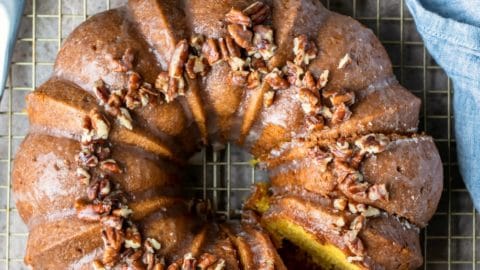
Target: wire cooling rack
{"x":449,"y":242}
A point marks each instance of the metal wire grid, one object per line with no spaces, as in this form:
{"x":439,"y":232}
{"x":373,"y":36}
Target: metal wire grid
{"x":225,"y":176}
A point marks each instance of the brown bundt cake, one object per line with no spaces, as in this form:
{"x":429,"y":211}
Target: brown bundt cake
{"x":137,"y":90}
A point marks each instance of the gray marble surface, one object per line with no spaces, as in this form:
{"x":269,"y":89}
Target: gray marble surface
{"x":450,"y":240}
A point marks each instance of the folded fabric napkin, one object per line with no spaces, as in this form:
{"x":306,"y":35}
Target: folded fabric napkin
{"x":451,"y":32}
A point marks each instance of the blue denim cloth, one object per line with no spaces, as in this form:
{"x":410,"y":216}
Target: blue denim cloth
{"x":451,"y":32}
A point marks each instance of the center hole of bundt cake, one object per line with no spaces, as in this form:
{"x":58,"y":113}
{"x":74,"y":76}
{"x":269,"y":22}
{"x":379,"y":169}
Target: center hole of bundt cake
{"x":223,"y":176}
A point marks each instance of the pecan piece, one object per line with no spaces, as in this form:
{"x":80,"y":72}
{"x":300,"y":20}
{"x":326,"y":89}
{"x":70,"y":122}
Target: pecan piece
{"x":340,"y":203}
{"x":258,"y":12}
{"x":206,"y":260}
{"x":263,"y":42}
{"x":241,"y":36}
{"x":253,"y":80}
{"x":161,"y":83}
{"x":294,"y":73}
{"x":113,"y":240}
{"x":99,"y":124}
{"x":179,"y":57}
{"x":86,"y":211}
{"x":101,"y":91}
{"x":347,"y":98}
{"x":372,"y":143}
{"x":235,"y":16}
{"x":304,"y":50}
{"x":189,"y":262}
{"x":196,"y":42}
{"x":378,"y":192}
{"x":342,"y":113}
{"x":309,"y":100}
{"x":357,"y":223}
{"x":371,"y":212}
{"x":110,"y":165}
{"x":83,"y":175}
{"x":125,"y":119}
{"x":323,"y":79}
{"x":133,"y":239}
{"x":275,"y":80}
{"x":344,"y":61}
{"x":112,"y":221}
{"x":314,"y":122}
{"x":268,"y":98}
{"x":356,"y":247}
{"x":134,"y":80}
{"x":210,"y":51}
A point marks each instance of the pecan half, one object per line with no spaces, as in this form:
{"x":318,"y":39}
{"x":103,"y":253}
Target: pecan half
{"x":241,"y":36}
{"x":179,"y":57}
{"x":110,"y":165}
{"x":235,"y":16}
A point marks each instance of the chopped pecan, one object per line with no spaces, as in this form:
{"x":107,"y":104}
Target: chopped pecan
{"x":196,"y":42}
{"x":99,"y":124}
{"x":113,"y":240}
{"x":294,"y":73}
{"x":347,"y":98}
{"x":125,"y":119}
{"x":323,"y":79}
{"x":98,"y":265}
{"x":112,"y":221}
{"x":258,"y":64}
{"x":133,"y":239}
{"x":235,"y":16}
{"x":123,"y":211}
{"x":83,"y":175}
{"x":309,"y":101}
{"x":179,"y":57}
{"x":314,"y":122}
{"x":206,"y":260}
{"x":232,"y":48}
{"x":378,"y":192}
{"x":110,"y":165}
{"x":241,"y":36}
{"x":341,"y":114}
{"x":236,"y":63}
{"x":263,"y":42}
{"x":239,"y":78}
{"x":104,"y":187}
{"x":210,"y":51}
{"x":340,"y":203}
{"x":258,"y":12}
{"x":304,"y":50}
{"x":196,"y":65}
{"x":134,"y":80}
{"x":372,"y":143}
{"x":357,"y":223}
{"x":146,"y":93}
{"x":339,"y":222}
{"x":356,"y":247}
{"x":127,"y":58}
{"x":92,"y":190}
{"x":86,"y":211}
{"x":151,"y":244}
{"x":371,"y":212}
{"x":189,"y":262}
{"x":253,"y":80}
{"x":275,"y":80}
{"x":101,"y":91}
{"x":357,"y":159}
{"x":87,"y":159}
{"x":268,"y":98}
{"x":344,"y":61}
{"x":114,"y":102}
{"x":161,"y":83}
{"x":308,"y":81}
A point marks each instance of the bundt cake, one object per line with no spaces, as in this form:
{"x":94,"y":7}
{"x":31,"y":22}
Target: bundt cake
{"x":310,"y":93}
